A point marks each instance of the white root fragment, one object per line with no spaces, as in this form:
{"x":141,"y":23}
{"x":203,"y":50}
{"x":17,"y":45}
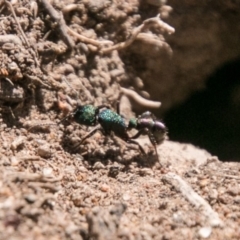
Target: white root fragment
{"x":156,"y":21}
{"x":142,"y":101}
{"x":10,"y":38}
{"x":211,"y":216}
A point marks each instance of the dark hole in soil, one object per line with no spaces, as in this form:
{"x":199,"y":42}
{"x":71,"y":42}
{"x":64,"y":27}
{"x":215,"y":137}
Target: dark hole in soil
{"x":210,"y":119}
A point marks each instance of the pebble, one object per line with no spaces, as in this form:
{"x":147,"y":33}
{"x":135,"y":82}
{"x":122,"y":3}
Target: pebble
{"x":44,"y":151}
{"x":126,"y":196}
{"x":31,"y":198}
{"x":104,"y":188}
{"x":146,"y":172}
{"x":205,"y":232}
{"x":98,"y":165}
{"x":47,"y":171}
{"x":17,"y":142}
{"x":233,"y":191}
{"x":14,"y":161}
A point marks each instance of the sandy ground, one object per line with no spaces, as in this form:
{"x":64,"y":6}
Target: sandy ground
{"x":107,"y":189}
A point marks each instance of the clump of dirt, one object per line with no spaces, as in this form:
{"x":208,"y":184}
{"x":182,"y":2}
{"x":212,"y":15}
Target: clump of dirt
{"x":57,"y":53}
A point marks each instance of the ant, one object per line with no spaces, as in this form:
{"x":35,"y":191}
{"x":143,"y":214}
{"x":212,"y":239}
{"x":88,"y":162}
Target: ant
{"x":105,"y":120}
{"x":108,"y":121}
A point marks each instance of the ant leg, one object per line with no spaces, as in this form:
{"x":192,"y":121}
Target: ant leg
{"x":139,"y":133}
{"x":150,"y":136}
{"x":154,"y":143}
{"x":100,"y":107}
{"x":139,"y":146}
{"x":88,"y":135}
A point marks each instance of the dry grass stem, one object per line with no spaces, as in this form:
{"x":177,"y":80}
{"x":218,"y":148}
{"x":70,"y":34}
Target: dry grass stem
{"x":186,"y":190}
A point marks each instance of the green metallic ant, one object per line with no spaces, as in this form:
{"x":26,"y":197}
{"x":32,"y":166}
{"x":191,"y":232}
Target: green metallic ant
{"x":108,"y":121}
{"x":105,"y":120}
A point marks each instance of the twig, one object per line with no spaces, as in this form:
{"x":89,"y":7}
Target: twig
{"x":22,"y":32}
{"x":210,"y":215}
{"x":48,"y":186}
{"x":8,"y":80}
{"x":84,"y":39}
{"x":35,"y":79}
{"x":72,"y":7}
{"x":147,"y":23}
{"x":16,"y":20}
{"x":58,"y":17}
{"x":34,"y":158}
{"x":142,"y":101}
{"x":33,"y":177}
{"x":223,"y":175}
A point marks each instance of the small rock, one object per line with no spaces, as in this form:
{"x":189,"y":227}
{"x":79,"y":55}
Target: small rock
{"x":98,"y":165}
{"x":205,"y":232}
{"x":44,"y":151}
{"x":203,"y":182}
{"x":233,"y":191}
{"x":146,"y":172}
{"x":47,"y":171}
{"x":19,"y":141}
{"x":30,"y":198}
{"x":14,"y":161}
{"x":126,"y":196}
{"x":5,"y":161}
{"x":104,"y":188}
{"x":213,"y":194}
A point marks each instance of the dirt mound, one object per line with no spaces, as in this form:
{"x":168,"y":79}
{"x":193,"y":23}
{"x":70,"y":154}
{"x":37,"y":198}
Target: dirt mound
{"x":57,"y":53}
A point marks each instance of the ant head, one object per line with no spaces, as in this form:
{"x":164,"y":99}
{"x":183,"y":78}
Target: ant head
{"x":159,"y":132}
{"x":85,"y":115}
{"x":160,"y":126}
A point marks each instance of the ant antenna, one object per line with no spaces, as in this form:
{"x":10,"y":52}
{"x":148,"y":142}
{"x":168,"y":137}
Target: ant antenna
{"x":50,"y":124}
{"x":69,"y":85}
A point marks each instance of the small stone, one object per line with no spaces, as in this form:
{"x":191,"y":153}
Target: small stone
{"x":126,"y":197}
{"x":30,"y":198}
{"x":98,"y":166}
{"x":233,"y":191}
{"x":146,"y":172}
{"x":19,"y":141}
{"x":203,"y":182}
{"x":44,"y":151}
{"x":14,"y":161}
{"x":237,"y":200}
{"x":47,"y":171}
{"x":104,"y":188}
{"x":213,"y":194}
{"x":5,"y":161}
{"x":205,"y":232}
